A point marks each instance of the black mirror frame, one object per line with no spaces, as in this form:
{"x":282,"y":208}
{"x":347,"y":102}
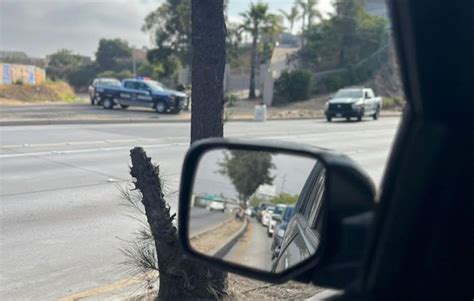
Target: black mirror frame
{"x":328,"y":158}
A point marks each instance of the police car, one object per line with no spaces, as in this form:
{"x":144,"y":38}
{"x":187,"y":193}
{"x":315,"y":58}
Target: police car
{"x":142,"y":92}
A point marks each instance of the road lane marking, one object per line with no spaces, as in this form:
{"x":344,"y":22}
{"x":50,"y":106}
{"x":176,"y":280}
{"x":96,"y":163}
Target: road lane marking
{"x":80,"y":151}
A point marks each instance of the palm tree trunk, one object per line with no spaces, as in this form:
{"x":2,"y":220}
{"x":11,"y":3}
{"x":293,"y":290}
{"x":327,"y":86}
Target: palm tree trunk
{"x":208,"y":41}
{"x":303,"y":19}
{"x":253,"y":64}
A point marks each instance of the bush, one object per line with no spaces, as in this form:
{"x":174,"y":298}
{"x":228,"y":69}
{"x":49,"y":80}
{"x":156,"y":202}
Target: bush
{"x":107,"y":73}
{"x":393,"y":103}
{"x":82,"y":76}
{"x":231,"y":100}
{"x":124,"y":74}
{"x":293,"y":86}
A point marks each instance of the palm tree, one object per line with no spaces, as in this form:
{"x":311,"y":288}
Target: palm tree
{"x":291,"y":17}
{"x":257,"y":20}
{"x":309,"y":13}
{"x":313,"y":12}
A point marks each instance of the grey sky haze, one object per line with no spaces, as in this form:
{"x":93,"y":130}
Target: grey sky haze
{"x":40,"y":27}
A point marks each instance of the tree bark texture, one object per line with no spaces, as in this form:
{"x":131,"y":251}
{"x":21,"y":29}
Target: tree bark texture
{"x":180,"y":278}
{"x":208,"y":41}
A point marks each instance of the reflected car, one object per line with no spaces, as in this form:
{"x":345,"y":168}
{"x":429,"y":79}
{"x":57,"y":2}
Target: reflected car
{"x":267,"y":215}
{"x":216,"y":206}
{"x":276,"y":218}
{"x":301,"y":239}
{"x":259,"y":210}
{"x":250,"y":212}
{"x":280,"y":229}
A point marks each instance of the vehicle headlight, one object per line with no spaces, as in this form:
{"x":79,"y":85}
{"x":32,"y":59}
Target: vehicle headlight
{"x":281,"y":232}
{"x":357,"y":104}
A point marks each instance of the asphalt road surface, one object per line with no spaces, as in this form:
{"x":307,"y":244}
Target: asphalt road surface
{"x":253,"y":248}
{"x":62,"y":223}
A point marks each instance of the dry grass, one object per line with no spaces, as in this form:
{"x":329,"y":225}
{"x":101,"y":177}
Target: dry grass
{"x":47,"y":92}
{"x":210,"y":240}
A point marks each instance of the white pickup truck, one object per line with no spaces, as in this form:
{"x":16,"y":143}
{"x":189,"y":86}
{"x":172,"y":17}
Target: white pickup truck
{"x":353,"y":102}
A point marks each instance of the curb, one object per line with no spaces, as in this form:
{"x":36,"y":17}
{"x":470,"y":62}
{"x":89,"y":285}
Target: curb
{"x":221,"y":251}
{"x":204,"y":231}
{"x":126,"y":121}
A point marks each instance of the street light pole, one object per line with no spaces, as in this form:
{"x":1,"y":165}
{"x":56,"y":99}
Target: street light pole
{"x":134,"y":63}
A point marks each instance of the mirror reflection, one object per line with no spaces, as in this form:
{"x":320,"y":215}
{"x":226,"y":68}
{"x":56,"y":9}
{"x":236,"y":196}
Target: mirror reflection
{"x":257,"y":209}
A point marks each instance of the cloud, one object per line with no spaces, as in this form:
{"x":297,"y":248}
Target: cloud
{"x":41,"y":27}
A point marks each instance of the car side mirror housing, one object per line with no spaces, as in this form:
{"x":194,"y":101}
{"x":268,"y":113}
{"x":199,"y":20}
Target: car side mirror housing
{"x":333,"y":200}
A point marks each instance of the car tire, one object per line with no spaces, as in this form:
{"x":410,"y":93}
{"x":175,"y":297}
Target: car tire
{"x":161,"y":107}
{"x":124,"y":106}
{"x":328,"y":118}
{"x":108,"y":103}
{"x":376,"y":114}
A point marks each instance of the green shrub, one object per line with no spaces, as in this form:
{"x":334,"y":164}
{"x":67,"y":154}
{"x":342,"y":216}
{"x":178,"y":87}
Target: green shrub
{"x":332,"y":82}
{"x":393,"y":102}
{"x":124,"y":74}
{"x":107,"y":73}
{"x":231,"y":100}
{"x":293,"y":86}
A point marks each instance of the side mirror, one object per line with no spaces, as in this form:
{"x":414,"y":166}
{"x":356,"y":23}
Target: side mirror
{"x":333,"y":200}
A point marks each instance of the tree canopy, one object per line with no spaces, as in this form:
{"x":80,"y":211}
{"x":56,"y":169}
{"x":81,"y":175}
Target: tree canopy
{"x":111,"y":52}
{"x":247,"y":170}
{"x":170,"y":28}
{"x":62,"y":63}
{"x":350,"y":36}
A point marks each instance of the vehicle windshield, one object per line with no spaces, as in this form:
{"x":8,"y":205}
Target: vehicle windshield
{"x":155,"y":85}
{"x":349,"y":94}
{"x":279,"y":210}
{"x":62,"y":187}
{"x":108,"y":82}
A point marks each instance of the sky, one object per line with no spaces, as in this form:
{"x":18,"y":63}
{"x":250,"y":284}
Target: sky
{"x":290,"y":173}
{"x":40,"y":27}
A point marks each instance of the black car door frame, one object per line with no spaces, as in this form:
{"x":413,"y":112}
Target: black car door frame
{"x":421,"y":242}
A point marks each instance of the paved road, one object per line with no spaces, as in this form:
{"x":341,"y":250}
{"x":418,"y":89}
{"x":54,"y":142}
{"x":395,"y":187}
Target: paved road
{"x":80,"y":112}
{"x":62,"y":224}
{"x":253,"y":249}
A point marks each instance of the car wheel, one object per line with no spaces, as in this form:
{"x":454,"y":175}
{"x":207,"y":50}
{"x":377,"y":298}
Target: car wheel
{"x":124,"y":106}
{"x":328,"y":118}
{"x":108,"y":104}
{"x":161,"y":107}
{"x":376,"y":114}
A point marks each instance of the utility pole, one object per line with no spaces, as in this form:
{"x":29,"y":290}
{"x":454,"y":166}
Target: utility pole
{"x":283,"y":184}
{"x":134,"y":63}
